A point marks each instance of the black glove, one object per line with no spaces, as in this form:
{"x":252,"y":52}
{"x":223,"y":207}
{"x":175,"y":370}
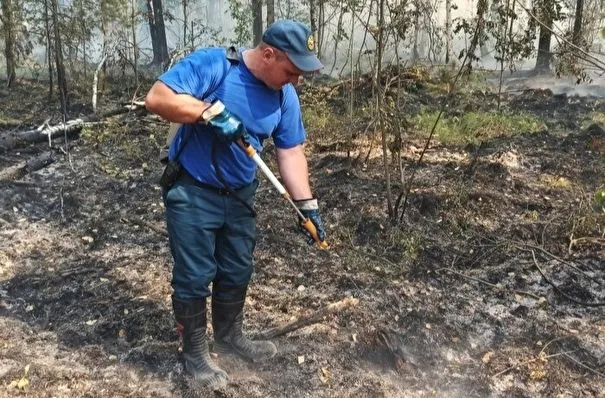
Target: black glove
{"x":310,"y":210}
{"x":226,"y":126}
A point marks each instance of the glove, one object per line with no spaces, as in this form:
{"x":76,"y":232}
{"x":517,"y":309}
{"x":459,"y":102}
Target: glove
{"x":310,"y":210}
{"x":226,"y":126}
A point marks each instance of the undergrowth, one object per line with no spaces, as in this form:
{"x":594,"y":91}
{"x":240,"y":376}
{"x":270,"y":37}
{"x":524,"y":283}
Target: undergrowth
{"x":474,"y":127}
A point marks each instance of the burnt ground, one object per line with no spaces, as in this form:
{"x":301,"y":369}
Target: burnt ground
{"x":489,"y":287}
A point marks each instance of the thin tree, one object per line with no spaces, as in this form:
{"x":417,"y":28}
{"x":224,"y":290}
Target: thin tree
{"x":257,"y":21}
{"x":9,"y":40}
{"x":448,"y":30}
{"x":577,"y":23}
{"x":49,"y":47}
{"x":546,"y":15}
{"x":312,"y":16}
{"x":379,"y":114}
{"x":157,"y":31}
{"x":135,"y":47}
{"x":59,"y":62}
{"x":185,"y":22}
{"x":271,"y":11}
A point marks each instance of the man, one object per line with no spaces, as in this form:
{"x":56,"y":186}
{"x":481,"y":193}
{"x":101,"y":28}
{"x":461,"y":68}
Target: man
{"x":209,"y":205}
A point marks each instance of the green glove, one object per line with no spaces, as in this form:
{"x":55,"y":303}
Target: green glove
{"x":226,"y":126}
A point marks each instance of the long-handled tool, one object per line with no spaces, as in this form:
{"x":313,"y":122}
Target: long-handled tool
{"x":304,"y":221}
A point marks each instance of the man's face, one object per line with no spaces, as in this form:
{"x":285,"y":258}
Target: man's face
{"x":279,"y":69}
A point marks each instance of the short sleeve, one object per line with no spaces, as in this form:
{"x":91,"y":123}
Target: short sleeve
{"x":290,"y":131}
{"x":198,"y":74}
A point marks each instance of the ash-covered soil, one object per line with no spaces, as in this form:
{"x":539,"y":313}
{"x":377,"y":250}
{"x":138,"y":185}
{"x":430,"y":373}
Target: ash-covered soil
{"x":491,"y":285}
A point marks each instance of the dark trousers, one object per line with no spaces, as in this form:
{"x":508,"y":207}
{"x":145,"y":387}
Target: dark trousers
{"x":212,"y":238}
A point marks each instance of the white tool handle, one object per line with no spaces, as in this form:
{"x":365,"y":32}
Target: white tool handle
{"x":269,"y":174}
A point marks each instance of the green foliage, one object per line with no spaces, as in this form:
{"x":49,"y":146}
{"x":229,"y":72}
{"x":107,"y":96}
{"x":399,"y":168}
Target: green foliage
{"x":474,"y":127}
{"x":587,"y":219}
{"x":441,"y":80}
{"x":241,"y":13}
{"x":408,"y":241}
{"x":317,"y":117}
{"x":553,"y":181}
{"x":597,"y":117}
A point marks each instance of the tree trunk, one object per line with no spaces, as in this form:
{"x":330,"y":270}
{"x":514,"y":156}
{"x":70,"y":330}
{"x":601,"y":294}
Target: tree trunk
{"x":544,"y":55}
{"x":339,"y":29}
{"x":482,"y":6}
{"x":135,"y":47}
{"x":49,"y":49}
{"x":312,"y":16}
{"x":9,"y":40}
{"x":320,"y":29}
{"x":185,"y":22}
{"x":415,"y":52}
{"x":379,"y":115}
{"x":271,"y":11}
{"x":577,"y":23}
{"x":257,"y":21}
{"x":448,"y":30}
{"x":60,"y":67}
{"x":157,"y":31}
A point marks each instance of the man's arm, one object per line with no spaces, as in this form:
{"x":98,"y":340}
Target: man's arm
{"x":294,"y":172}
{"x":178,"y":108}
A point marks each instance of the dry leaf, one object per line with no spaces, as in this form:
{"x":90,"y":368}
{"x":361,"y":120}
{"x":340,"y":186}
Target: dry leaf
{"x":487,"y":356}
{"x":22,"y":384}
{"x":325,"y":375}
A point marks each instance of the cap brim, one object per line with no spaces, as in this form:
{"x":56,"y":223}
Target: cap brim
{"x":306,"y":63}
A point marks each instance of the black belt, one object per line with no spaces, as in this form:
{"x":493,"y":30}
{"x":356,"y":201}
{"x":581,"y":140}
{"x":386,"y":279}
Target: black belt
{"x":186,"y":178}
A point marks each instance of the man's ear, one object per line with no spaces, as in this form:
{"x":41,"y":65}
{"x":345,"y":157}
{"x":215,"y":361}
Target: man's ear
{"x":269,"y":53}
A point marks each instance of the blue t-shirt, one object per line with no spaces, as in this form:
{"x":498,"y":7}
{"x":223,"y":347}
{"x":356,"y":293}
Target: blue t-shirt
{"x":208,"y":75}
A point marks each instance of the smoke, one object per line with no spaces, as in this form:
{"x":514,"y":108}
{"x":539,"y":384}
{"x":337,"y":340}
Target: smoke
{"x":565,"y":85}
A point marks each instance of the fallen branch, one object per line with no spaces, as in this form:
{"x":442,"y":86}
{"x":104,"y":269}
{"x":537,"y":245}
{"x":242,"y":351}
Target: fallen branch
{"x":561,"y":292}
{"x":19,"y":171}
{"x":538,"y":358}
{"x":585,"y":239}
{"x":498,"y":287}
{"x":18,"y":139}
{"x":583,"y":365}
{"x":525,"y":246}
{"x":310,"y":319}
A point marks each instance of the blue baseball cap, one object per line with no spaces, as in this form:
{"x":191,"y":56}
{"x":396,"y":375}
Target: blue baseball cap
{"x":296,"y":40}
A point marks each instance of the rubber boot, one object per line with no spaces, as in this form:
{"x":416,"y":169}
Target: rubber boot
{"x":191,"y":324}
{"x":227,"y":321}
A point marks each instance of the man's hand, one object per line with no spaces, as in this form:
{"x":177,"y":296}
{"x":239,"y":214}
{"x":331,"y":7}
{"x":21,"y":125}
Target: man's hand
{"x":226,"y":126}
{"x":310,"y":210}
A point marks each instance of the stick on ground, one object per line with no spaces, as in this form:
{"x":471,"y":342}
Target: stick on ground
{"x":315,"y":317}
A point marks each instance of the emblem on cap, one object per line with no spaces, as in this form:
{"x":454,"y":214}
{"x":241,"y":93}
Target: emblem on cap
{"x":311,"y":43}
